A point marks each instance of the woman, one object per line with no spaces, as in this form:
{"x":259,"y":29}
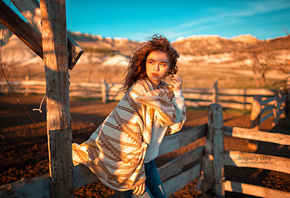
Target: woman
{"x":122,"y":150}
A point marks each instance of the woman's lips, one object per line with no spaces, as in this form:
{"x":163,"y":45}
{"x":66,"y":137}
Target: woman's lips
{"x":155,"y":75}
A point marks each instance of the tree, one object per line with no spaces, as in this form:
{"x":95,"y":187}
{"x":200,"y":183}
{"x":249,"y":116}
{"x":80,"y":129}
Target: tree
{"x":262,"y":63}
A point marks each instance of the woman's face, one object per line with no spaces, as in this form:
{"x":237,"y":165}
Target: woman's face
{"x":157,"y":66}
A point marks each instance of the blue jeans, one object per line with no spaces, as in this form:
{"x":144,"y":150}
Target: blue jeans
{"x":154,"y":187}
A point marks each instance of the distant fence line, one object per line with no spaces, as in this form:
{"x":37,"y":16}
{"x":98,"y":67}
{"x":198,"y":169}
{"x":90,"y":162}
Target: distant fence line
{"x":259,"y":101}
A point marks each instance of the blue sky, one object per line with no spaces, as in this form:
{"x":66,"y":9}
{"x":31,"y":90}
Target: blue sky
{"x":138,"y":20}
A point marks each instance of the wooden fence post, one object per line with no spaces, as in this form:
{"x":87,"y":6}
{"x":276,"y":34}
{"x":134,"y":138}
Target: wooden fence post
{"x":277,"y":111}
{"x":256,"y":112}
{"x":287,"y":105}
{"x":104,"y":91}
{"x":213,"y":163}
{"x":215,"y":92}
{"x":0,"y":85}
{"x":27,"y":78}
{"x":54,"y":37}
{"x":287,"y":108}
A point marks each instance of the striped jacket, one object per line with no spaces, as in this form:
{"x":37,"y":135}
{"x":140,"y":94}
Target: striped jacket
{"x":115,"y":151}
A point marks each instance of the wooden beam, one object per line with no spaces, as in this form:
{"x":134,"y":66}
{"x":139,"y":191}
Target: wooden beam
{"x":179,"y":181}
{"x":254,"y":160}
{"x":256,"y":113}
{"x":258,"y":191}
{"x":266,"y":117}
{"x":180,"y":139}
{"x":243,"y":92}
{"x":31,"y":11}
{"x":250,"y":134}
{"x":215,"y":123}
{"x":59,"y":130}
{"x":215,"y":92}
{"x":39,"y":186}
{"x":213,"y":163}
{"x":178,"y":164}
{"x":30,"y":34}
{"x":21,"y":29}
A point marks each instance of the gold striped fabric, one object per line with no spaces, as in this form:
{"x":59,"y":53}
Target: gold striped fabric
{"x":115,"y":151}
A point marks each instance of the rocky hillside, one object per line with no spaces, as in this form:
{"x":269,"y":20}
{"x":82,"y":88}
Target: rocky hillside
{"x":108,"y":45}
{"x":116,"y":51}
{"x":200,"y":45}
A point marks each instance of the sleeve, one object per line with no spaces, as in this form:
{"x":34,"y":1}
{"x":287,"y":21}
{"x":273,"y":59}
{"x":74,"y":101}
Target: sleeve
{"x":179,"y":104}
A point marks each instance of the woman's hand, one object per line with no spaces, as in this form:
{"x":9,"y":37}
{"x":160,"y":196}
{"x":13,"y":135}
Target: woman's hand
{"x":175,"y":83}
{"x":139,"y":190}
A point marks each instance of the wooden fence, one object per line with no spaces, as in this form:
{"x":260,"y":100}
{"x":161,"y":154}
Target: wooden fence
{"x":259,"y":101}
{"x":206,"y":162}
{"x":263,"y":109}
{"x":228,"y":98}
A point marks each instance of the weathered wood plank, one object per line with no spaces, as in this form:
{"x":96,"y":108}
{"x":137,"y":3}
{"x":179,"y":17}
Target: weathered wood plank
{"x":214,"y":151}
{"x":242,"y":99}
{"x":197,"y":96}
{"x":197,"y":90}
{"x":256,"y":113}
{"x":59,"y":129}
{"x":39,"y":186}
{"x":83,"y":176}
{"x":104,"y":91}
{"x":31,"y":188}
{"x":277,"y":138}
{"x":114,"y":87}
{"x":176,"y":166}
{"x":270,"y":99}
{"x":252,"y":92}
{"x":85,"y":94}
{"x":215,"y":92}
{"x":254,"y":160}
{"x":267,"y":108}
{"x":30,"y":9}
{"x":235,"y":105}
{"x":85,"y":84}
{"x":176,"y":183}
{"x":180,"y":139}
{"x":85,"y":89}
{"x":266,"y":117}
{"x":31,"y":82}
{"x":278,"y":111}
{"x":21,"y":29}
{"x":118,"y":97}
{"x":196,"y":103}
{"x":258,"y":191}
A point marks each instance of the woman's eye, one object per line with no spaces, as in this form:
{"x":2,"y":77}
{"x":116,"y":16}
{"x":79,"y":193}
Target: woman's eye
{"x":162,"y":64}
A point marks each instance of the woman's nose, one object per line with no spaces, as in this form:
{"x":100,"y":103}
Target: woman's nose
{"x":156,"y":67}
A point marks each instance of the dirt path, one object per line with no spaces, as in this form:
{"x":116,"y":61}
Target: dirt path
{"x":24,"y":145}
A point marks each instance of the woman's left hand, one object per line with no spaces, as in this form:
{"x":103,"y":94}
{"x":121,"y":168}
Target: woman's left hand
{"x":176,"y":83}
{"x":139,"y":190}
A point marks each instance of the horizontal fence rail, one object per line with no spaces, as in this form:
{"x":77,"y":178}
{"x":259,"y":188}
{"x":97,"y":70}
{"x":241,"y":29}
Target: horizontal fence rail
{"x":253,"y":190}
{"x":256,"y":160}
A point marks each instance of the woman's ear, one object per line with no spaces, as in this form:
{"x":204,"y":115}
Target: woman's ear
{"x":175,"y":70}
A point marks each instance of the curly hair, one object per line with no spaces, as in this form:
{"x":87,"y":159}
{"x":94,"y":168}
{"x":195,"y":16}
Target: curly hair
{"x":137,"y":64}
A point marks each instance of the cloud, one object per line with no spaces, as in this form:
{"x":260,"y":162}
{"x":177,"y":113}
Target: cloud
{"x":231,"y":13}
{"x":218,"y":19}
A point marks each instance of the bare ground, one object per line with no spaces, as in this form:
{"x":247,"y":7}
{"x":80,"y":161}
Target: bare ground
{"x":24,"y":144}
